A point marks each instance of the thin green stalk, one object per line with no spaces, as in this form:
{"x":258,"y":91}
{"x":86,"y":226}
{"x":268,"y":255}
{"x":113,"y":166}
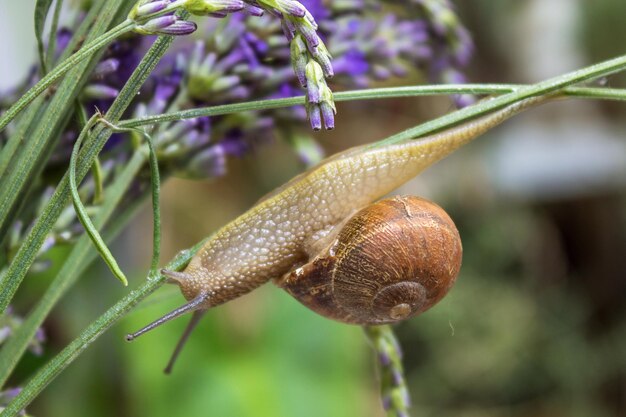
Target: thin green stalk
{"x":44,"y":223}
{"x":546,"y":87}
{"x":98,"y":182}
{"x":369,"y":94}
{"x":91,"y":333}
{"x":23,"y":127}
{"x":81,"y":213}
{"x":81,"y":255}
{"x":156,"y":191}
{"x":393,"y":390}
{"x":52,"y":38}
{"x":83,"y":53}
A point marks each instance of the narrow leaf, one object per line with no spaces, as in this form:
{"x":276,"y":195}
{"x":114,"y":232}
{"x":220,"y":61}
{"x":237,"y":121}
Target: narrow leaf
{"x":91,"y":230}
{"x":41,"y":12}
{"x":52,"y":37}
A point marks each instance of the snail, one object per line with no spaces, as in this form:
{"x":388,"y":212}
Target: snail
{"x":309,"y":235}
{"x":392,"y":260}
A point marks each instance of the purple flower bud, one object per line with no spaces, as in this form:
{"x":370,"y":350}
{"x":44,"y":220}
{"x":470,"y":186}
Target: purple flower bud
{"x":253,"y":10}
{"x":315,"y":117}
{"x":288,"y":29}
{"x":151,"y":8}
{"x":299,"y":59}
{"x":106,"y":67}
{"x":310,"y":35}
{"x":215,"y":8}
{"x":322,"y":57}
{"x":158,"y":23}
{"x":314,"y":75}
{"x":291,"y":7}
{"x":396,"y":377}
{"x":328,"y":113}
{"x":180,"y":28}
{"x":225,"y":83}
{"x":99,"y":92}
{"x":209,"y":163}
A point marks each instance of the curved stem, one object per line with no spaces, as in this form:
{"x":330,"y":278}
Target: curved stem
{"x":81,"y":212}
{"x":62,"y":68}
{"x":371,"y":94}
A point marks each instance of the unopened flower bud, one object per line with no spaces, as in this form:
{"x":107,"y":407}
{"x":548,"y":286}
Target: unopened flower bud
{"x":146,"y":8}
{"x":314,"y":81}
{"x":166,"y":25}
{"x":213,"y":7}
{"x":99,"y":91}
{"x":151,"y":8}
{"x":253,"y":10}
{"x":299,"y":59}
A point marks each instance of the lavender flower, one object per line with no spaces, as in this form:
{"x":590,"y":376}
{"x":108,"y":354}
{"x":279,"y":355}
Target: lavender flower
{"x":319,"y":99}
{"x":167,"y":25}
{"x":216,"y":8}
{"x":249,"y":58}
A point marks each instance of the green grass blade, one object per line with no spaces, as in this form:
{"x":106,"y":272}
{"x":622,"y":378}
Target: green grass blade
{"x":52,"y":39}
{"x":41,"y":12}
{"x":81,"y":212}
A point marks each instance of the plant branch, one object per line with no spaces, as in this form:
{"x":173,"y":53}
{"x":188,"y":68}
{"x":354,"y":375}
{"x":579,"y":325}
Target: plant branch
{"x":371,"y":94}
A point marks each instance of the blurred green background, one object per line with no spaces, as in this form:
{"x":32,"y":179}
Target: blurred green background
{"x":535,"y":326}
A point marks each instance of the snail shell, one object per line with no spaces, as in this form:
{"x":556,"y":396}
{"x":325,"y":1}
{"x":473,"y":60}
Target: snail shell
{"x":390,"y":261}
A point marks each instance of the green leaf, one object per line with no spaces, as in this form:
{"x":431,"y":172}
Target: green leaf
{"x":41,"y":12}
{"x":601,"y":93}
{"x":91,"y":230}
{"x":52,"y":38}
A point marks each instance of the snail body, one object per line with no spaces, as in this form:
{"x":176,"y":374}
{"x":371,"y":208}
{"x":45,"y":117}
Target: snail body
{"x":302,"y":234}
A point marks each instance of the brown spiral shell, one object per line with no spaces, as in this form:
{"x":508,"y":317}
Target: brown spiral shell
{"x":392,"y":260}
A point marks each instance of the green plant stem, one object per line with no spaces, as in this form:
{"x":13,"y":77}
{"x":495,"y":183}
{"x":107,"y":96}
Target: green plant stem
{"x":83,"y":53}
{"x":90,"y":229}
{"x":77,"y":260}
{"x":393,"y":390}
{"x":44,"y":223}
{"x":52,"y":38}
{"x":370,"y":94}
{"x":91,"y":333}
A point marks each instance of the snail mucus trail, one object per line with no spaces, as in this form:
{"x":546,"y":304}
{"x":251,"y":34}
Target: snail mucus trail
{"x":321,"y":239}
